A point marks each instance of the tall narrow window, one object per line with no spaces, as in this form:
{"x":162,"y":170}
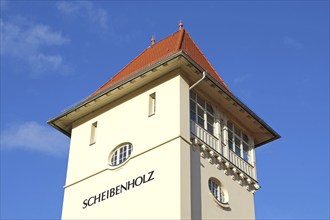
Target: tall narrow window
{"x":202,"y":113}
{"x":152,"y":104}
{"x":238,"y":141}
{"x":93,"y":133}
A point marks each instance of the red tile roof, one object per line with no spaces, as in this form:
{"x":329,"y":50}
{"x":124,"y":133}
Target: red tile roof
{"x":178,"y":41}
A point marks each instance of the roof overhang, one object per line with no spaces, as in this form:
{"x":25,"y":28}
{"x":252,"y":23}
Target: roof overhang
{"x":261,"y":131}
{"x":63,"y":122}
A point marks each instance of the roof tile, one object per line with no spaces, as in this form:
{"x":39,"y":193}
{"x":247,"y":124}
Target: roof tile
{"x":178,"y":41}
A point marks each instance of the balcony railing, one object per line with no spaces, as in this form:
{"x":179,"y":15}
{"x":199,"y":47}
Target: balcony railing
{"x":205,"y":136}
{"x":242,"y":164}
{"x":216,"y":144}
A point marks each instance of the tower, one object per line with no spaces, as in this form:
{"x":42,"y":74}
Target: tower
{"x":163,"y":138}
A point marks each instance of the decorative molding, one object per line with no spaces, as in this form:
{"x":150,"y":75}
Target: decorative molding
{"x":220,"y":162}
{"x":256,"y":186}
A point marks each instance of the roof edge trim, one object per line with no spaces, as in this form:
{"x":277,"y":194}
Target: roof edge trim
{"x":115,"y":86}
{"x":232,"y":96}
{"x":246,"y":108}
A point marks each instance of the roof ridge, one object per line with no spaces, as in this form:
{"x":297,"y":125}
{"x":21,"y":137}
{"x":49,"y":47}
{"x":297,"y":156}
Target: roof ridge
{"x":177,"y":41}
{"x":140,"y":54}
{"x":132,"y":61}
{"x":178,"y":47}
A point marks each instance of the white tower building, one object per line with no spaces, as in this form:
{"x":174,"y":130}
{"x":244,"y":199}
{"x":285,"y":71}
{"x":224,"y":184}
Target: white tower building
{"x":163,"y":138}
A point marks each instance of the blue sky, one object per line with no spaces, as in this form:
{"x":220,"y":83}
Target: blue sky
{"x":274,"y":55}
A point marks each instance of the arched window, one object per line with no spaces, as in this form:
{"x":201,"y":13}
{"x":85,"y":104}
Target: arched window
{"x":218,"y":191}
{"x":121,"y":153}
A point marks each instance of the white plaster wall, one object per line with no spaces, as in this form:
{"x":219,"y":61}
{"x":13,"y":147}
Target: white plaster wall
{"x":156,"y":146}
{"x":241,"y":201}
{"x":159,"y":198}
{"x":125,"y":120}
{"x":160,"y":143}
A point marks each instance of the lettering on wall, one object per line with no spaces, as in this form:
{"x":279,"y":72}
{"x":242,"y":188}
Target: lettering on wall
{"x":107,"y":194}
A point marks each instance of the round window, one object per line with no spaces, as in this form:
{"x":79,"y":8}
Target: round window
{"x":218,"y":191}
{"x":120,"y":154}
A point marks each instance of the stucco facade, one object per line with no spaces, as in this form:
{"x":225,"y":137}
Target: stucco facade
{"x":167,"y":141}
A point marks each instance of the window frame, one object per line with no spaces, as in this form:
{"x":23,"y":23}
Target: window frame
{"x":238,"y":140}
{"x":121,"y":154}
{"x":152,"y":104}
{"x":201,"y":112}
{"x":92,"y":139}
{"x":218,"y":192}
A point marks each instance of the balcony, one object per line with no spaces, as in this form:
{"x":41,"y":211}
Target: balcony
{"x":231,"y":159}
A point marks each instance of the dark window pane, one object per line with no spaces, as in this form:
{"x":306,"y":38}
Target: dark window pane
{"x":245,"y":138}
{"x":210,"y":119}
{"x":192,"y":115}
{"x":230,"y":125}
{"x":230,"y":136}
{"x":209,"y":109}
{"x":201,"y":102}
{"x":210,"y":128}
{"x":237,"y":131}
{"x":200,"y":121}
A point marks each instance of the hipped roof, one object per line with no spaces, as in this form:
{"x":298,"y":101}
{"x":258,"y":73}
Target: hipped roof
{"x":178,"y":41}
{"x":169,"y":49}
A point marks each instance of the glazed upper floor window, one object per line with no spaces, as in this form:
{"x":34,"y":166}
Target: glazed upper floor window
{"x":202,"y":112}
{"x":238,"y":141}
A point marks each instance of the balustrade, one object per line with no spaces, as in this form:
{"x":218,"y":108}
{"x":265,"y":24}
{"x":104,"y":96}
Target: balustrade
{"x":216,"y":144}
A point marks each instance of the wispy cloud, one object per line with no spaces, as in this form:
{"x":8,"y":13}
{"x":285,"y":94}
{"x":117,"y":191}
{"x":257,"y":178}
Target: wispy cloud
{"x":84,"y":10}
{"x":35,"y":137}
{"x":27,"y":41}
{"x":292,"y":42}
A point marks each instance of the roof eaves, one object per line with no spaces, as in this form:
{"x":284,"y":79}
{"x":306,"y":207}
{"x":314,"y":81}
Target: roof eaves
{"x":59,"y":128}
{"x":239,"y":102}
{"x":247,"y":109}
{"x":112,"y":87}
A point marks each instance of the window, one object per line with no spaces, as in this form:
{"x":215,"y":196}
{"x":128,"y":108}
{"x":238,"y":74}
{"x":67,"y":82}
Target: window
{"x":218,"y":191}
{"x":93,"y":133}
{"x":152,"y":104}
{"x":201,"y":112}
{"x":121,"y":154}
{"x":238,"y":141}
